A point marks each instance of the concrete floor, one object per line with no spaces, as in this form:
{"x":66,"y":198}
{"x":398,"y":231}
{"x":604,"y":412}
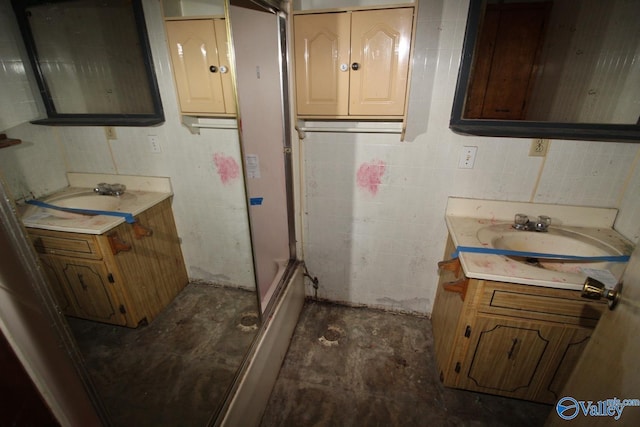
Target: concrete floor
{"x":345,"y":367}
{"x":175,"y":371}
{"x":360,"y":367}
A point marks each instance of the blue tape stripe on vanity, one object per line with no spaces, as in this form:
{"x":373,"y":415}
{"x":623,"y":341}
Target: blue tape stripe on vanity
{"x":506,"y":252}
{"x":127,"y":216}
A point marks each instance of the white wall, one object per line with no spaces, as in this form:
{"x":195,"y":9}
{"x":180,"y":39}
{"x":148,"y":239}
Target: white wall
{"x":210,"y":212}
{"x":380,"y":248}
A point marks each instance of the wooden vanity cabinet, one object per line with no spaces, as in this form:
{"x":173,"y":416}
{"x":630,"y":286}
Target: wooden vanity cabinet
{"x":200,"y":58}
{"x":508,"y":339}
{"x":351,"y":64}
{"x":121,"y":277}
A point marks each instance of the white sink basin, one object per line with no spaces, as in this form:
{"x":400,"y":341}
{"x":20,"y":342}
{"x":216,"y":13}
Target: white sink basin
{"x":88,"y":201}
{"x":556,"y":241}
{"x":549,"y":249}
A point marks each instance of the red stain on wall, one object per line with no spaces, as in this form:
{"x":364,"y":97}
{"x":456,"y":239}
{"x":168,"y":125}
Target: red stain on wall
{"x":227,"y":167}
{"x":370,"y":176}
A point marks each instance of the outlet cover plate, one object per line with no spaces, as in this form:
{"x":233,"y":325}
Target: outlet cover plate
{"x":467,"y":157}
{"x":539,"y":147}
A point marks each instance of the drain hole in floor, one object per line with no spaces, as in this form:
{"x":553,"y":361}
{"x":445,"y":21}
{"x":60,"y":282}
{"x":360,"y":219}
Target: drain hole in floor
{"x":331,"y":336}
{"x":248,"y":321}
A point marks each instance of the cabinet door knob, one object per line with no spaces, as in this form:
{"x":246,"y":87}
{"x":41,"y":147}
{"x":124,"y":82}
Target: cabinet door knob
{"x":213,"y":69}
{"x":344,"y":67}
{"x":355,"y":66}
{"x":223,"y":69}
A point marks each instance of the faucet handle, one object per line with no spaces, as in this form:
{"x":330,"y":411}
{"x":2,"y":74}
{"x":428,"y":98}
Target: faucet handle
{"x":520,"y":221}
{"x":543,"y":223}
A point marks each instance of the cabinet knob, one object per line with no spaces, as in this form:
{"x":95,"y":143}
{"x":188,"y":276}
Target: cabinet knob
{"x":223,"y":69}
{"x":344,"y":67}
{"x":213,"y":69}
{"x":355,"y":66}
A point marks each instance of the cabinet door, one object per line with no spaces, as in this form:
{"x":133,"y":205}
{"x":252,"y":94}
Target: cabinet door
{"x":508,"y":357}
{"x":573,"y":345}
{"x":196,"y":65}
{"x":57,"y":286}
{"x":380,"y":46}
{"x":322,"y":63}
{"x":220,"y":27}
{"x":90,"y":286}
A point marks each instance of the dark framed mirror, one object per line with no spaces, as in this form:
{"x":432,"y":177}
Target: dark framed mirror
{"x":92,"y":61}
{"x":562,"y":69}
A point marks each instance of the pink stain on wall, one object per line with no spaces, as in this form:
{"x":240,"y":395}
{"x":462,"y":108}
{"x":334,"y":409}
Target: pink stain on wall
{"x":370,"y":176}
{"x":227,"y":167}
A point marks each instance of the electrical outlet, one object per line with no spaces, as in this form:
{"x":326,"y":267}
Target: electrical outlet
{"x":154,"y":144}
{"x":539,"y":147}
{"x":467,"y":157}
{"x":110,"y":132}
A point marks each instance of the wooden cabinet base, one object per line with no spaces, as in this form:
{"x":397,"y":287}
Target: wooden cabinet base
{"x":93,"y":279}
{"x":509,"y":339}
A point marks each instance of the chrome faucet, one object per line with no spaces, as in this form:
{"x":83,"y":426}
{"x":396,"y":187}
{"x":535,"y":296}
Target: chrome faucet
{"x":522,"y":222}
{"x":110,"y":189}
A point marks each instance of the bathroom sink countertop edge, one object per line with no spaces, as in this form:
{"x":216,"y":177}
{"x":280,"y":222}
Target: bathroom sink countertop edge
{"x":464,"y":217}
{"x":142,"y":193}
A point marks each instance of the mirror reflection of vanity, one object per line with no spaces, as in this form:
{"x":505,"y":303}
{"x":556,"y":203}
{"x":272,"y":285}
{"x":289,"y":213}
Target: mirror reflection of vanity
{"x":189,"y":376}
{"x":559,"y":69}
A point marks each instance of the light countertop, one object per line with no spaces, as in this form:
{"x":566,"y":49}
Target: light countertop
{"x":141,"y":194}
{"x":465,"y":217}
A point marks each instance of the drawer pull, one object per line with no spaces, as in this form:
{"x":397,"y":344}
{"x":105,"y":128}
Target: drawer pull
{"x":458,"y":286}
{"x":452,"y":265}
{"x":117,"y":245}
{"x":513,"y":347}
{"x":81,"y":280}
{"x":141,"y":231}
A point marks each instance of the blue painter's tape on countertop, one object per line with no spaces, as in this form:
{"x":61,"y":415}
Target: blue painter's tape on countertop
{"x":127,"y":216}
{"x":507,"y":252}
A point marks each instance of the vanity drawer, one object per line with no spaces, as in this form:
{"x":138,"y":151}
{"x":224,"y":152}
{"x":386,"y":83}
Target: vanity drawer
{"x":534,"y":302}
{"x":67,"y":244}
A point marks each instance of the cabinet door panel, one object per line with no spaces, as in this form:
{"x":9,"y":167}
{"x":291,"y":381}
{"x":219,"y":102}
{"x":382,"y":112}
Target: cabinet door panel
{"x":380,"y":45}
{"x":321,"y":48}
{"x":193,"y":49}
{"x":576,"y":341}
{"x":223,"y":57}
{"x":88,"y":282}
{"x":57,"y":286}
{"x":508,"y":357}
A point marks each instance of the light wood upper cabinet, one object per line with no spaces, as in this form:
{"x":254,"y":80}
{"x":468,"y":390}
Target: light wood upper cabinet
{"x":200,"y":58}
{"x":322,"y":44}
{"x":353,"y":63}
